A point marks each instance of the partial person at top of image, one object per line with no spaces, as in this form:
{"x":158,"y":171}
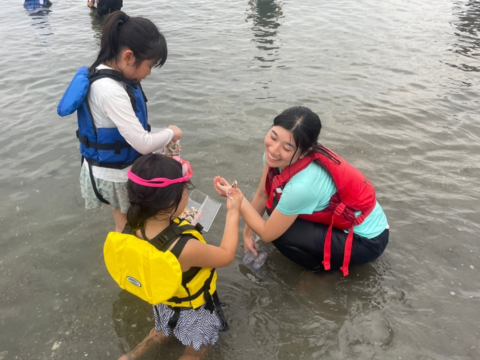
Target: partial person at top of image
{"x":36,"y":4}
{"x":113,"y":127}
{"x":105,"y":7}
{"x":323,"y":212}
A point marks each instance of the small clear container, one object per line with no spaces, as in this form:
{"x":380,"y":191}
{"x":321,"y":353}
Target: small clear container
{"x":257,"y":261}
{"x":248,"y":258}
{"x":206,"y":206}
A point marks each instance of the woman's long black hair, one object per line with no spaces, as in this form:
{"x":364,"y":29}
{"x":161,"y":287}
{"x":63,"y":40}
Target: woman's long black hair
{"x":146,"y":202}
{"x":135,"y":33}
{"x":305,"y":126}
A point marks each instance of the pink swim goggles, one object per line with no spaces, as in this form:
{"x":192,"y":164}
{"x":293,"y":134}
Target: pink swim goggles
{"x":187,"y":173}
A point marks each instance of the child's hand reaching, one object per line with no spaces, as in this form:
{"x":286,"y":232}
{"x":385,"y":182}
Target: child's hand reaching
{"x":221,"y":185}
{"x":234,"y":198}
{"x":177,"y":133}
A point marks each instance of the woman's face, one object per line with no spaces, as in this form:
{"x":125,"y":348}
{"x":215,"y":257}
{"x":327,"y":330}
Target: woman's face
{"x":280,"y":148}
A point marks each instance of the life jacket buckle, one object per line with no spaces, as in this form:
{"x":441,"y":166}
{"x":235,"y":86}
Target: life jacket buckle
{"x":84,"y":141}
{"x":92,"y":73}
{"x":339,"y":209}
{"x":118,"y":147}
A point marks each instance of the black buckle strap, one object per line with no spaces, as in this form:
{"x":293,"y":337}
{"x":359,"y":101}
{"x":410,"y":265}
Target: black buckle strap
{"x":213,"y":304}
{"x":204,"y":289}
{"x":172,"y":322}
{"x":163,"y":240}
{"x":221,"y":315}
{"x":117,"y":146}
{"x":94,"y":185}
{"x":96,"y":74}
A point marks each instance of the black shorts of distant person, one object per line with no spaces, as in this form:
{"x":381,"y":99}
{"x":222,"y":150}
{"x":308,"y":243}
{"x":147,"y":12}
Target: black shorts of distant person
{"x":105,"y":7}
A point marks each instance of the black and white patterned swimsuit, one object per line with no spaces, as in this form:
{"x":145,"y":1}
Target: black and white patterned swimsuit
{"x":197,"y":327}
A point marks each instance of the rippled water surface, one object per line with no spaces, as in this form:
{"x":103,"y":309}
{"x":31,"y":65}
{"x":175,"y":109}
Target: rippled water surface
{"x":396,"y":84}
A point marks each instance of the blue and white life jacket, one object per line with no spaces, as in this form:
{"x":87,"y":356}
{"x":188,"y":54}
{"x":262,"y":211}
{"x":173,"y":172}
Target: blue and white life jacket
{"x":103,"y":147}
{"x":36,"y":4}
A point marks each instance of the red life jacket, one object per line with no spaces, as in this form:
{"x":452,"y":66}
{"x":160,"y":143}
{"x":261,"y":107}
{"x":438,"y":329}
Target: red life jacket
{"x":354,"y":193}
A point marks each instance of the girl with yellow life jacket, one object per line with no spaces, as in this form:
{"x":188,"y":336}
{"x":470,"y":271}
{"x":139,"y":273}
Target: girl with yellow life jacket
{"x":323,"y":213}
{"x":186,"y":279}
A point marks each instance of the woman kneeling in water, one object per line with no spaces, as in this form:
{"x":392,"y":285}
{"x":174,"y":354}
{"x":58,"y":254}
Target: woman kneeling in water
{"x":323,"y":214}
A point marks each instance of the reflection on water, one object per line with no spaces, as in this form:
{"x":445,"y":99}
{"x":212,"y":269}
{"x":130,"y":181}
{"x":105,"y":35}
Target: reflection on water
{"x":132,"y":320}
{"x":264,"y":15}
{"x":468,"y":30}
{"x":356,"y":306}
{"x":97,"y":25}
{"x":40,"y":20}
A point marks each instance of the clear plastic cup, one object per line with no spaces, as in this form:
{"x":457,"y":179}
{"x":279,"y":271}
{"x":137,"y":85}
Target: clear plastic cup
{"x":248,"y":258}
{"x":259,"y":260}
{"x":206,"y":206}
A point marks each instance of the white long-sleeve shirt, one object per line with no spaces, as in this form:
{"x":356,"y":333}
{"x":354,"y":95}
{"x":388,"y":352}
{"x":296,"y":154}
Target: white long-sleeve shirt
{"x":111,"y":107}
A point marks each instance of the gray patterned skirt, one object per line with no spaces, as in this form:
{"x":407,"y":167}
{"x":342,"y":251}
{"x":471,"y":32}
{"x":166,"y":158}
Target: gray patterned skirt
{"x":197,"y":327}
{"x":115,"y":193}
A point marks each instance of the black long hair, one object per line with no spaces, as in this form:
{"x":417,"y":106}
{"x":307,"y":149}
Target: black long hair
{"x":146,"y":202}
{"x":135,"y":33}
{"x":304,"y":124}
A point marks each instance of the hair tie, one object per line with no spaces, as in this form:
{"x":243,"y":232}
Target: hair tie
{"x":126,"y":18}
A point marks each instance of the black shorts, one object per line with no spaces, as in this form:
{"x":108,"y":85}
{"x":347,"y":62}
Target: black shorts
{"x":105,"y":7}
{"x":303,"y":243}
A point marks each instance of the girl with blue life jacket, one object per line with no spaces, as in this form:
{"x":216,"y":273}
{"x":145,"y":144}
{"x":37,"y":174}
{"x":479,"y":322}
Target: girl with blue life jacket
{"x":113,"y":127}
{"x":158,"y":191}
{"x":36,"y":4}
{"x":323,"y":214}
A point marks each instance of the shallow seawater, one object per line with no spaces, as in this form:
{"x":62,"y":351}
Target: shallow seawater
{"x":396,"y":85}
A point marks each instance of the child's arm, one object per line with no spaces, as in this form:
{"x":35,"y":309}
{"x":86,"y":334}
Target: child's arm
{"x":269,"y":230}
{"x":115,"y":104}
{"x":258,"y":204}
{"x":198,"y":254}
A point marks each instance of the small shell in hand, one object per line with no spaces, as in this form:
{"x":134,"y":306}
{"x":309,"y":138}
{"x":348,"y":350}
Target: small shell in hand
{"x":172,"y":148}
{"x":189,"y":214}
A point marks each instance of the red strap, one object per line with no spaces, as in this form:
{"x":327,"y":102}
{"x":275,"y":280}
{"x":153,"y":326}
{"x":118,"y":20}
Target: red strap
{"x":348,"y":252}
{"x":327,"y":248}
{"x":274,"y":186}
{"x":339,"y":209}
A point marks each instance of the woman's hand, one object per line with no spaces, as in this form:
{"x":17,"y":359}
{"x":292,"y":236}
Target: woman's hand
{"x":90,"y":4}
{"x":234,"y":198}
{"x":177,"y":133}
{"x":249,"y":243}
{"x":221,"y":186}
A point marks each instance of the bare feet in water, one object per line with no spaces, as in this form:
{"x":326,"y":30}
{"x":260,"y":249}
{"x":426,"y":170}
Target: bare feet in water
{"x":153,"y":339}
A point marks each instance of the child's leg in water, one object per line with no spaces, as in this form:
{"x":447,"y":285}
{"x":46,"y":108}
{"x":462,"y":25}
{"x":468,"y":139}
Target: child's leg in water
{"x":191,"y":354}
{"x":153,"y":339}
{"x":120,"y":219}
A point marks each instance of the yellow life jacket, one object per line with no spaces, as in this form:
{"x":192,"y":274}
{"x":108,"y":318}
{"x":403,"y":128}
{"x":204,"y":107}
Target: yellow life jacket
{"x":150,"y":271}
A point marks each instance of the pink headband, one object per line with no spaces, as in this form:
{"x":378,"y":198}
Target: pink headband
{"x":164,"y":182}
